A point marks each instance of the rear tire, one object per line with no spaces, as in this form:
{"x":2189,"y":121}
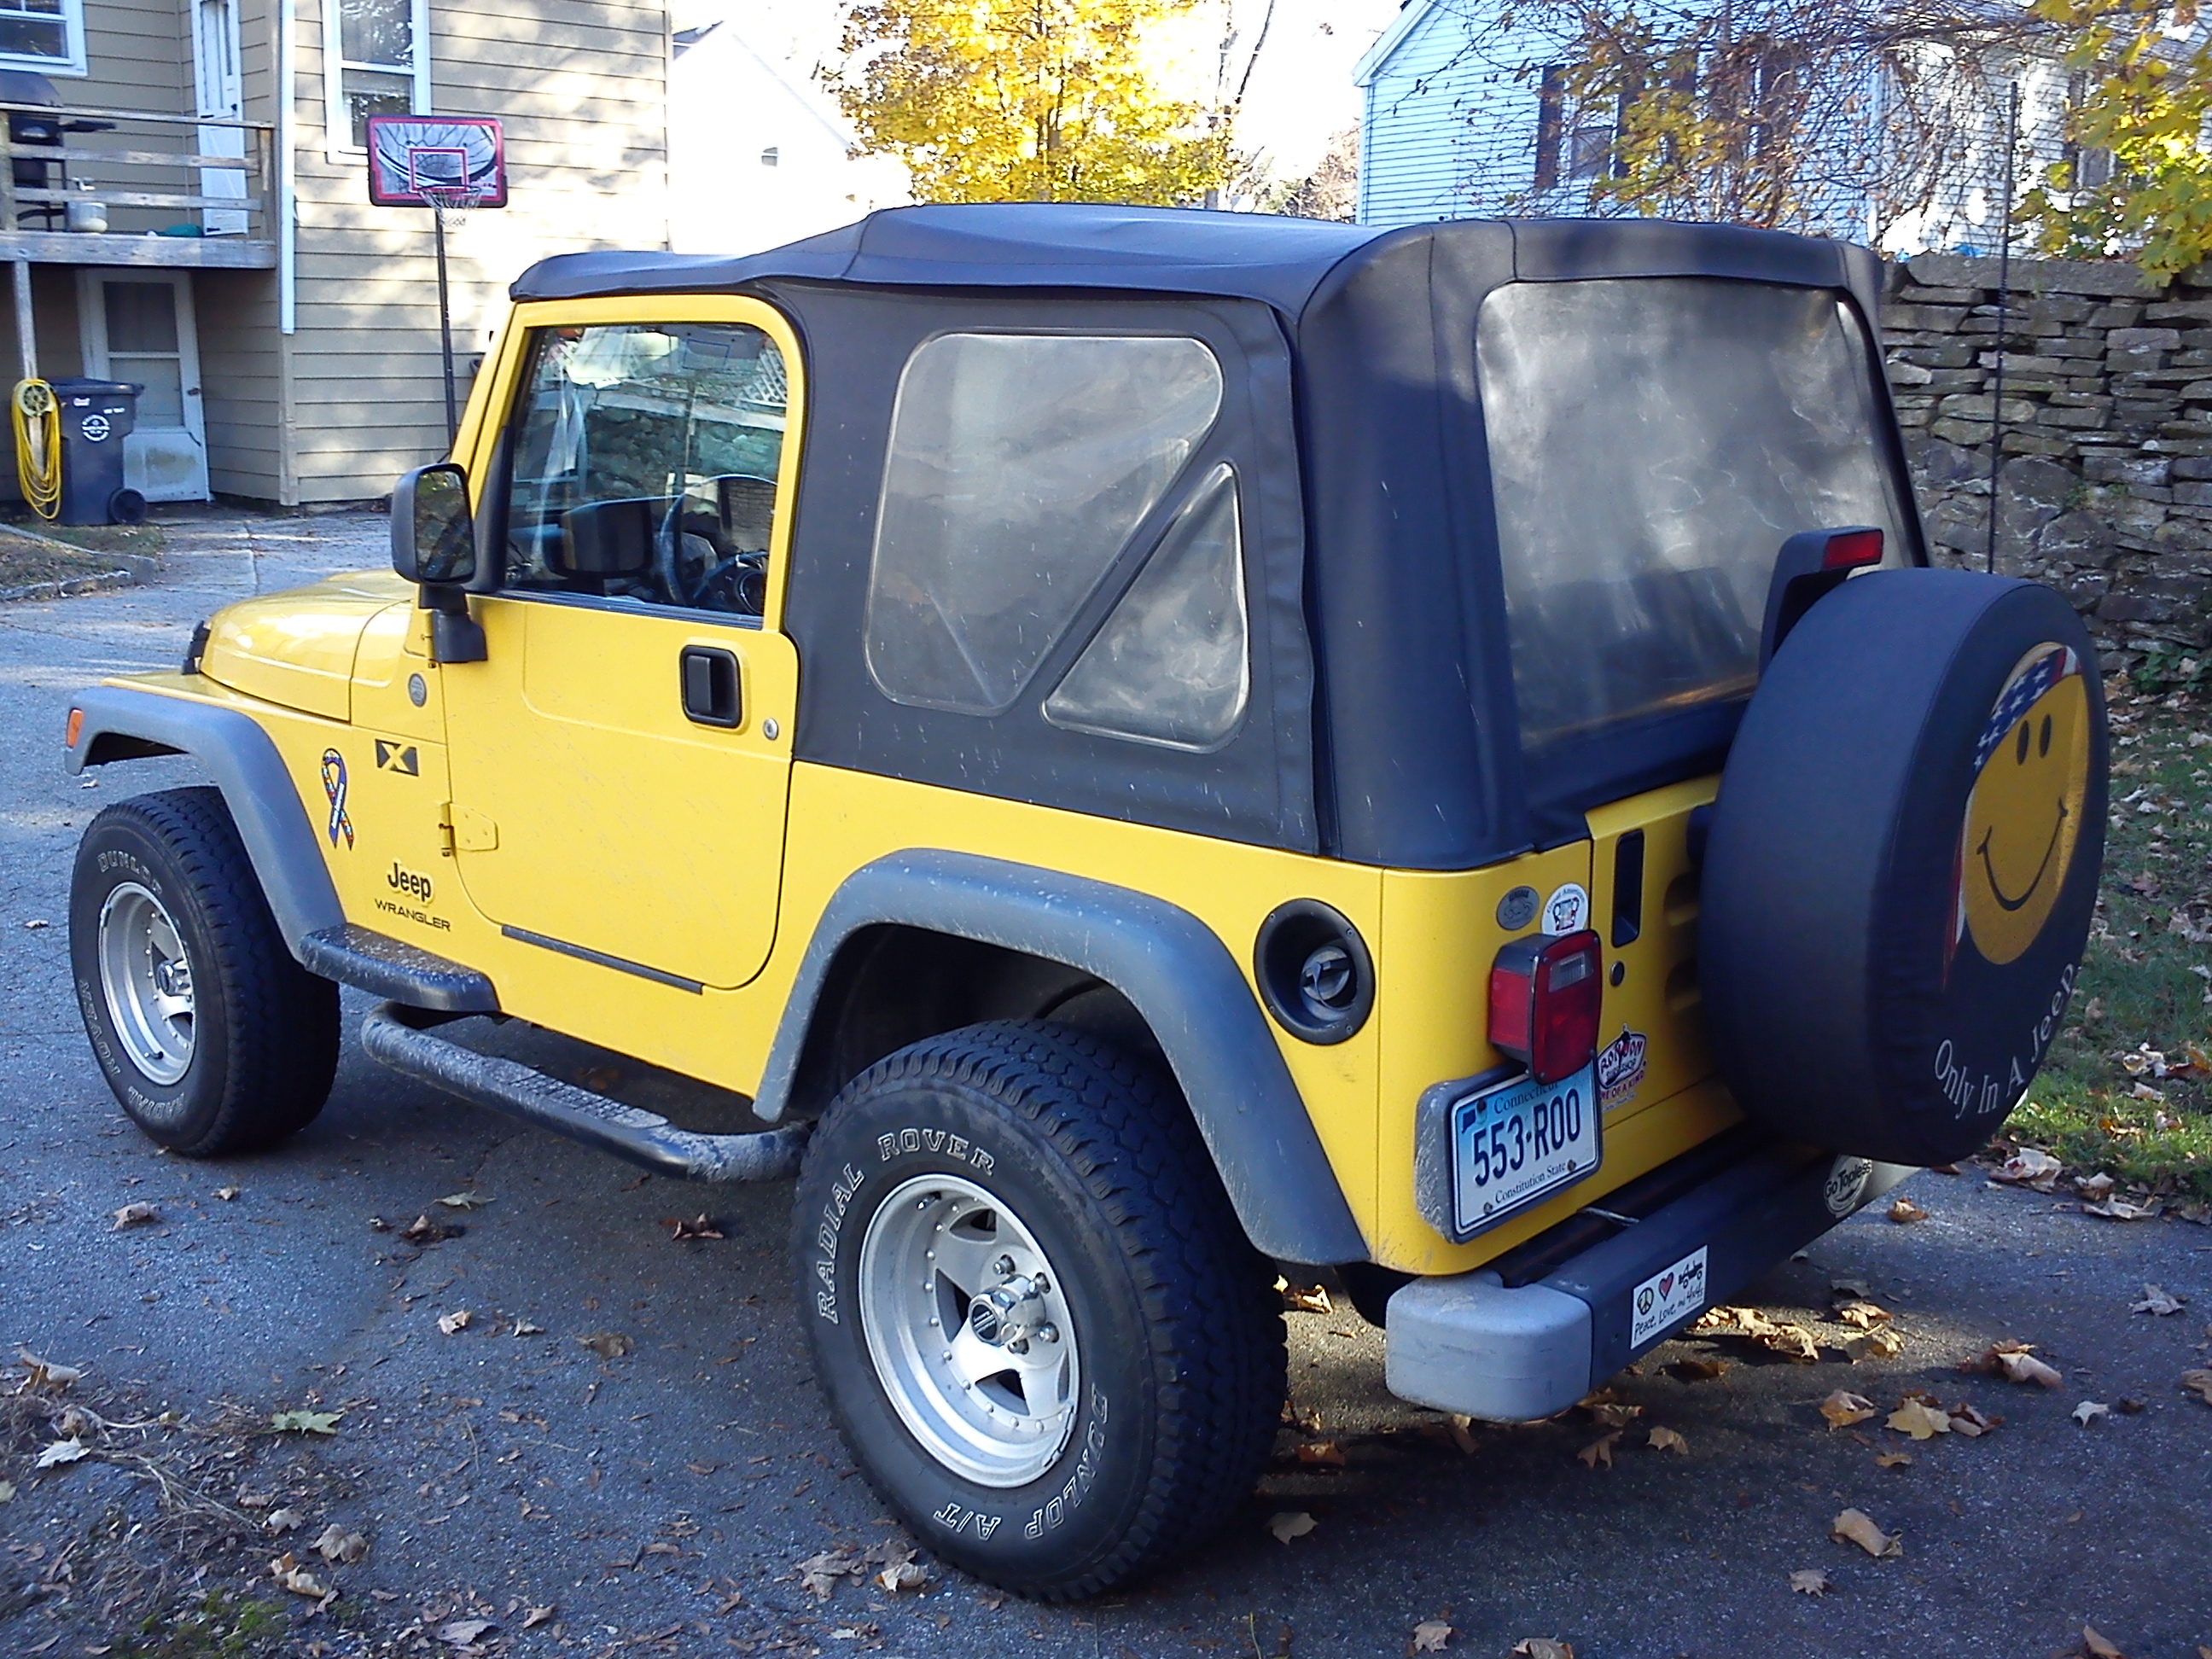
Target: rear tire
{"x":213,"y":1038}
{"x":1064,"y":1185}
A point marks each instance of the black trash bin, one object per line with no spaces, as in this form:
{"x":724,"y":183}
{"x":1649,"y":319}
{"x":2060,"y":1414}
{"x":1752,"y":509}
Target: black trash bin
{"x":97,"y":416}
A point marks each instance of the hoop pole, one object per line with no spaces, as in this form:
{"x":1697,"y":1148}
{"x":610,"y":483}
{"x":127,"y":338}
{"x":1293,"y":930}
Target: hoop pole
{"x":445,"y":322}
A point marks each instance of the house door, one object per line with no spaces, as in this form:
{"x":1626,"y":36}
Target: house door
{"x":220,"y":95}
{"x":138,"y":326}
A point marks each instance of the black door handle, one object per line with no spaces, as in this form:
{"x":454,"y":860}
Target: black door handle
{"x":710,"y":686}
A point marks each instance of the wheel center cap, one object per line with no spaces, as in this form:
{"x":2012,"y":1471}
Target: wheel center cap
{"x":1006,"y":1313}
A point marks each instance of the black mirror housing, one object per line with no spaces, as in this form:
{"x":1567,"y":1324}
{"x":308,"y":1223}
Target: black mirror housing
{"x":434,"y":542}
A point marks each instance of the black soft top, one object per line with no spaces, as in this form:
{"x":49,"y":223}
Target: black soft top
{"x":1390,"y":734}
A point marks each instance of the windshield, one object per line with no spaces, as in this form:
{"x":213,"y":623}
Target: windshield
{"x":1653,"y":441}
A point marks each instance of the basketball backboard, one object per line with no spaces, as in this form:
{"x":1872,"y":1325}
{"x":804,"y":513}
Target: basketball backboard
{"x":415,"y":160}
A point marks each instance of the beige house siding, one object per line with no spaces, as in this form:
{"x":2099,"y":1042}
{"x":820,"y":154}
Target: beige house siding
{"x":241,"y":377}
{"x":581,"y":91}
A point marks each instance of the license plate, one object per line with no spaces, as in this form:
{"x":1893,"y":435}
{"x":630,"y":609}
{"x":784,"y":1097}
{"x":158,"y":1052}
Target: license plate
{"x":1519,"y":1141}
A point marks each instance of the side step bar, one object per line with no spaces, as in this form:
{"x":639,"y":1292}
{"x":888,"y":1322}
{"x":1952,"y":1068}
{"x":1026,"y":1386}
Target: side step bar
{"x":392,"y":968}
{"x":396,"y":1036}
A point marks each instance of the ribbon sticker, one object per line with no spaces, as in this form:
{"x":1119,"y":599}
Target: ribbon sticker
{"x":334,"y":785}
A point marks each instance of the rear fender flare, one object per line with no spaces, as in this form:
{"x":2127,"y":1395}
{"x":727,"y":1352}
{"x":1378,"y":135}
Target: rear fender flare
{"x":121,"y":723}
{"x":1173,"y":969}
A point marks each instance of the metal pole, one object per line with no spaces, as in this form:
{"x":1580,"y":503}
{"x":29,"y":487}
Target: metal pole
{"x":2004,"y":303}
{"x":26,"y":327}
{"x":446,"y":325}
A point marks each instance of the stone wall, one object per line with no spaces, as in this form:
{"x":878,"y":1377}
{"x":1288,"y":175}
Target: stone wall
{"x":2105,"y":486}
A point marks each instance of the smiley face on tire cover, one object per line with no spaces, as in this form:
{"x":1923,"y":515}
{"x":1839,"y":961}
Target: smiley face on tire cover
{"x":2023,"y":813}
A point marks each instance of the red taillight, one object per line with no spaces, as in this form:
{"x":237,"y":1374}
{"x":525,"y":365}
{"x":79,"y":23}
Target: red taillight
{"x":1848,"y":549}
{"x":1544,"y":995}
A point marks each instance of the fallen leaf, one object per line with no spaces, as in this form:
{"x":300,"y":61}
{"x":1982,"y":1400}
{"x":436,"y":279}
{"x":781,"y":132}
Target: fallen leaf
{"x":306,"y":1422}
{"x":1664,"y":1439}
{"x":1700,"y":1370}
{"x":2095,"y":1187}
{"x":1810,"y":1581}
{"x":2098,"y":1647}
{"x":287,"y":1571}
{"x":2119,"y":1209}
{"x":1881,"y":1343}
{"x":1458,"y":1426}
{"x":1864,"y":1315}
{"x":523,"y":1328}
{"x":822,"y":1574}
{"x":1612,"y":1413}
{"x":1599,"y":1451}
{"x":2158,"y":1303}
{"x":1542,"y":1647}
{"x":1307,"y":1298}
{"x":466,"y":1200}
{"x":903,"y":1575}
{"x":2089,"y":1411}
{"x":1325,"y":1452}
{"x":1857,"y":1527}
{"x":2031,"y":1166}
{"x":1966,"y":1420}
{"x":37,"y":923}
{"x":227,"y":1193}
{"x":463,"y":1633}
{"x":45,"y":1376}
{"x":7,"y":1491}
{"x":1915,"y":1418}
{"x":455,"y":1322}
{"x":700,"y":1227}
{"x":608,"y":1345}
{"x":1429,"y":1635}
{"x":2017,"y":1365}
{"x":338,"y":1546}
{"x":2199,"y":1384}
{"x":59,"y":1452}
{"x":134,"y":1215}
{"x":1843,"y":1408}
{"x":533,"y":1617}
{"x":1903,"y":1210}
{"x":1893,"y":1460}
{"x":1287,"y":1524}
{"x":286,"y":1519}
{"x":423,"y":1231}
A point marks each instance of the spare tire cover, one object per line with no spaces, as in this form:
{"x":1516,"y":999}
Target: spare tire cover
{"x":1903,"y":861}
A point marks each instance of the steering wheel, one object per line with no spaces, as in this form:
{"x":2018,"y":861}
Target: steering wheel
{"x":738,"y":583}
{"x":692,"y":571}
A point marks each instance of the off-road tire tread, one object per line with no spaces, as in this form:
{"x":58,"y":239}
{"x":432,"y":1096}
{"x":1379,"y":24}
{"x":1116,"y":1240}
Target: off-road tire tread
{"x":1219,"y":1346}
{"x":280,"y":1022}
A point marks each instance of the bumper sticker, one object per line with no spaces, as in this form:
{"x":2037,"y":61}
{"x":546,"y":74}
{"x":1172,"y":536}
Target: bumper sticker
{"x":1667,"y":1296}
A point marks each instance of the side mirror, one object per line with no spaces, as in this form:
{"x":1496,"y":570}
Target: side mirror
{"x":433,"y":545}
{"x":434,"y":540}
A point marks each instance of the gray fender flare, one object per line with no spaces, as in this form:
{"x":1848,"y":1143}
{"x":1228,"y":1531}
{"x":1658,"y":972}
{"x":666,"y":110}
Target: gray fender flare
{"x":1175,"y":971}
{"x":121,"y":723}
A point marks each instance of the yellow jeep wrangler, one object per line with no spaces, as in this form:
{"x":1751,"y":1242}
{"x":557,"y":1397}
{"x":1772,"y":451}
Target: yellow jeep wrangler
{"x":1149,"y":746}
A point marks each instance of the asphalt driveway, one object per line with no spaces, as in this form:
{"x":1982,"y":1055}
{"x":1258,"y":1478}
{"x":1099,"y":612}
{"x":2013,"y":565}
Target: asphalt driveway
{"x":653,"y":1489}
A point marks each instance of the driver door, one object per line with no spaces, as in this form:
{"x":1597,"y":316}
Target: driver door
{"x":620,"y":759}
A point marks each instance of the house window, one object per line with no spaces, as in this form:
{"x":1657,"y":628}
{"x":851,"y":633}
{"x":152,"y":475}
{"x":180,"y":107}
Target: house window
{"x":376,"y":56}
{"x":770,"y":156}
{"x":43,"y":34}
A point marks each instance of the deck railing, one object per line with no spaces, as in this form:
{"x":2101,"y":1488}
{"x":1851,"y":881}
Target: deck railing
{"x":99,"y":158}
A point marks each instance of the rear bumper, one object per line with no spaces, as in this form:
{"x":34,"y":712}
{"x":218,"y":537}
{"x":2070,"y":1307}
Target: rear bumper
{"x":1538,"y":1330}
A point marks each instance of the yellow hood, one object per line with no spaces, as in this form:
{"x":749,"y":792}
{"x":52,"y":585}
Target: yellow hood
{"x":297,"y":647}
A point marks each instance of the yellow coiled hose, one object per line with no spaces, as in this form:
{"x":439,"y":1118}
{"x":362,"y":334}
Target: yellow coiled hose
{"x":38,"y":418}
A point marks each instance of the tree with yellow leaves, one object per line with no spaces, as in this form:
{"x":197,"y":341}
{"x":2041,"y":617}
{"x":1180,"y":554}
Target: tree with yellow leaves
{"x":1041,"y":100}
{"x":2148,"y":105}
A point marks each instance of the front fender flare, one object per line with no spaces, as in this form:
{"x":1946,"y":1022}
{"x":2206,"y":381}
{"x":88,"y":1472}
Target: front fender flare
{"x":244,"y":765}
{"x":1173,"y":969}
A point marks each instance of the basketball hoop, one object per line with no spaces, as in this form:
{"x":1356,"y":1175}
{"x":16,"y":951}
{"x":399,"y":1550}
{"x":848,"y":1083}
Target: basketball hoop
{"x":452,"y":164}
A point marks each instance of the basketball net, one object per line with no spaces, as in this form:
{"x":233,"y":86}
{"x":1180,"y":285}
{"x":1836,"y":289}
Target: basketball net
{"x":453,"y":203}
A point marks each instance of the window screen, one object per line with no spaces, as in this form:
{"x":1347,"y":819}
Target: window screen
{"x":1170,"y":665}
{"x":1019,"y":465}
{"x":1653,"y":441}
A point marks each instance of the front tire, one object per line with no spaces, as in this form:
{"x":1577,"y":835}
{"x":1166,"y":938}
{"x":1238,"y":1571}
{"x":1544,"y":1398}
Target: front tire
{"x":212,"y":1037}
{"x":1114,"y":1371}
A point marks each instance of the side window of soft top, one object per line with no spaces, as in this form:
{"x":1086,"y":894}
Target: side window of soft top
{"x":643,"y":465}
{"x":1019,"y":468}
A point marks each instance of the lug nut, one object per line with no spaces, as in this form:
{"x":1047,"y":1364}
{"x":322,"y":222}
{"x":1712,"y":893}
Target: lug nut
{"x":1004,"y":1266}
{"x":1048,"y":1332}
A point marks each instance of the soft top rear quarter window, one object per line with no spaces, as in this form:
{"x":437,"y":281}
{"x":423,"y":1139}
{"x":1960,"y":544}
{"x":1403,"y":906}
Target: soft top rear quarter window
{"x":1019,"y":466}
{"x":1653,"y":441}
